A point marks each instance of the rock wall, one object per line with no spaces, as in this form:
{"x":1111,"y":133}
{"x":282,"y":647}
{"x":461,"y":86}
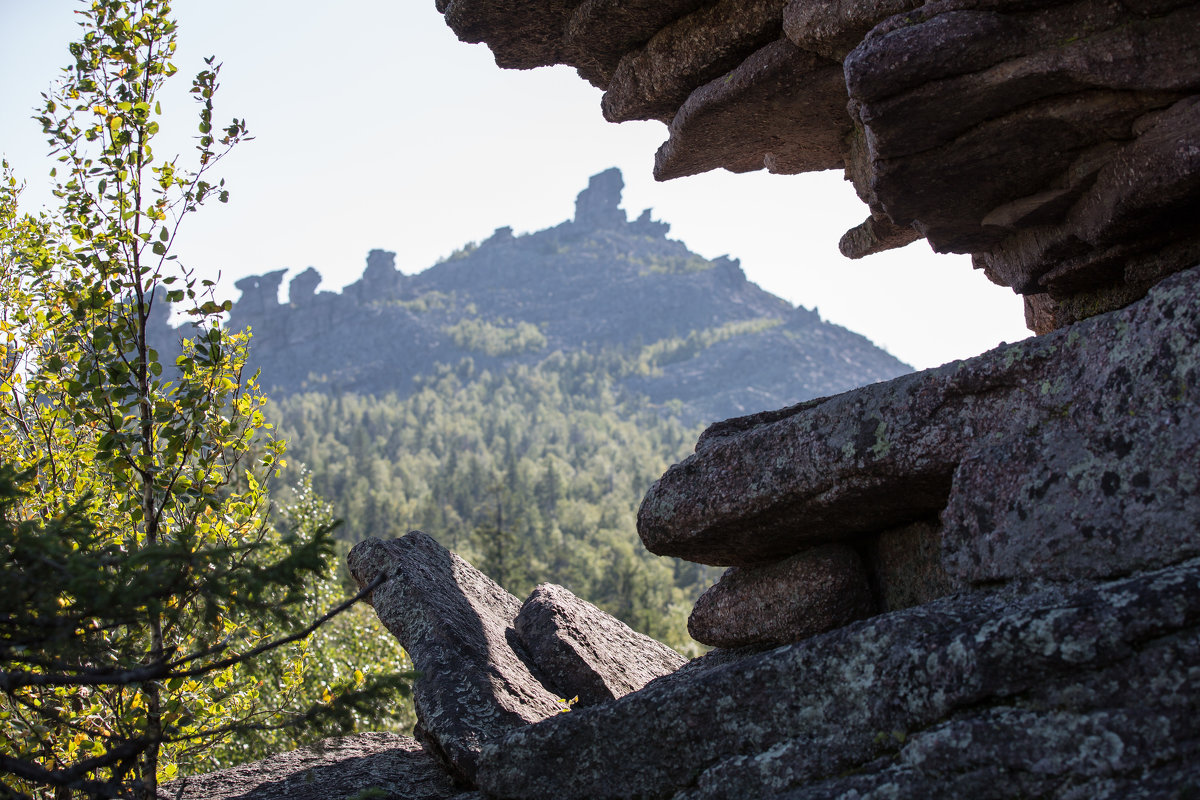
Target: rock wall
{"x":1057,"y":141}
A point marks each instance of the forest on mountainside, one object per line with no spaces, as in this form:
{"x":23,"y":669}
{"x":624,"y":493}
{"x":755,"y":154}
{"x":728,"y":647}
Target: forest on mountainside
{"x":533,"y":474}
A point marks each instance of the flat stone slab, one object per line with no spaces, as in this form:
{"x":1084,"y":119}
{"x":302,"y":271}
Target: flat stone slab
{"x":1074,"y":685}
{"x":1054,"y":457}
{"x":812,"y":592}
{"x":587,"y":653}
{"x":475,"y":681}
{"x":394,"y":766}
{"x":653,"y":81}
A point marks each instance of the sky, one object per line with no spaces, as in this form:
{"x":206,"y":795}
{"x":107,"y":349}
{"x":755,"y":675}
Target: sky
{"x":376,"y":128}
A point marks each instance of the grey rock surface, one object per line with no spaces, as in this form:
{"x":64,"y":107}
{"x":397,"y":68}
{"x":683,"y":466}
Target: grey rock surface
{"x":832,"y":28}
{"x":905,"y":565}
{"x":475,"y":680}
{"x":782,"y":107}
{"x":653,"y":81}
{"x":585,"y":652}
{"x":812,"y":592}
{"x":1102,"y":679}
{"x":333,"y":769}
{"x":1054,"y":457}
{"x":601,"y":31}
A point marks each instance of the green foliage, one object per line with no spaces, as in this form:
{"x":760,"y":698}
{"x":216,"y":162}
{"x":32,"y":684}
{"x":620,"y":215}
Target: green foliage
{"x":653,"y":357}
{"x":495,"y":339}
{"x":144,"y":579}
{"x":534,"y":475}
{"x":337,"y":658}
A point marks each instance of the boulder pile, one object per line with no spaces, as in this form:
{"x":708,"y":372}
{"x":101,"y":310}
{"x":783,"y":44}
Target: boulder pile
{"x":1058,"y":141}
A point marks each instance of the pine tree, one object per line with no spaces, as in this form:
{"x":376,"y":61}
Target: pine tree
{"x":143,"y":577}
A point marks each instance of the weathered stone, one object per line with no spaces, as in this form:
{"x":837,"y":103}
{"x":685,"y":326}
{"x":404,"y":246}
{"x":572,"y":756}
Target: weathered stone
{"x":475,"y":681}
{"x":905,"y":565}
{"x":1026,"y":436}
{"x":653,"y":81}
{"x":598,"y":206}
{"x":812,"y":592}
{"x":393,"y":766}
{"x":586,"y":652}
{"x":601,"y":31}
{"x":832,"y":28}
{"x":1117,"y":660}
{"x":1127,"y":230}
{"x":782,"y":107}
{"x":521,"y":35}
{"x":989,"y":127}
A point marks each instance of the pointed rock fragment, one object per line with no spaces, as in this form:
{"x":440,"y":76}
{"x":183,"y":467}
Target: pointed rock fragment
{"x":475,"y":682}
{"x":586,"y":652}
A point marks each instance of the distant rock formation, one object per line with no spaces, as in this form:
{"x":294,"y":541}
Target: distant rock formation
{"x":597,"y":281}
{"x":598,"y":206}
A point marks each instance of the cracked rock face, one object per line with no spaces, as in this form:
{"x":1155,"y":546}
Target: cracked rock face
{"x":587,"y":653}
{"x":1055,"y":141}
{"x":1098,"y":682}
{"x":1058,"y":457}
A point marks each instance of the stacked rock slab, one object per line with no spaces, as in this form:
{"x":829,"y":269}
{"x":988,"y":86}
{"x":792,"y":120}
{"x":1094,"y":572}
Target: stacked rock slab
{"x":1056,"y":141}
{"x":382,"y":765}
{"x":1037,"y":476}
{"x":485,"y":665}
{"x":1056,"y":458}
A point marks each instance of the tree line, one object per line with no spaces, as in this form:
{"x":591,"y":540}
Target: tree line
{"x":533,"y":474}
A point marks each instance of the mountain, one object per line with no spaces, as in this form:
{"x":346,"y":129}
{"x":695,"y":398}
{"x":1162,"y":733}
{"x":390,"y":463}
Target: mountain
{"x":689,"y":334}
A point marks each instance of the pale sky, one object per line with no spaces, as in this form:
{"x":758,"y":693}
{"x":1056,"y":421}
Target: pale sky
{"x":376,"y":128}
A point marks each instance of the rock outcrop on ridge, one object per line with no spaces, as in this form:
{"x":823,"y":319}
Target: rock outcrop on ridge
{"x":1057,"y":141}
{"x":600,"y":282}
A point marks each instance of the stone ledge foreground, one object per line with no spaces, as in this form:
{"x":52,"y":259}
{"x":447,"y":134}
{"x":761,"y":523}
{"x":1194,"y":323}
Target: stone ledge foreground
{"x":1077,"y":691}
{"x":330,"y":770}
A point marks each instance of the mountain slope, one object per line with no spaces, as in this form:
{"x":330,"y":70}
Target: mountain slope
{"x":673,"y":325}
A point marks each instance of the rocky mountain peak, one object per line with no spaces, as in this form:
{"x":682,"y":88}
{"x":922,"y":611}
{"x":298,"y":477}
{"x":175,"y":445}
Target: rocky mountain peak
{"x":687,"y":328}
{"x":598,"y":206}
